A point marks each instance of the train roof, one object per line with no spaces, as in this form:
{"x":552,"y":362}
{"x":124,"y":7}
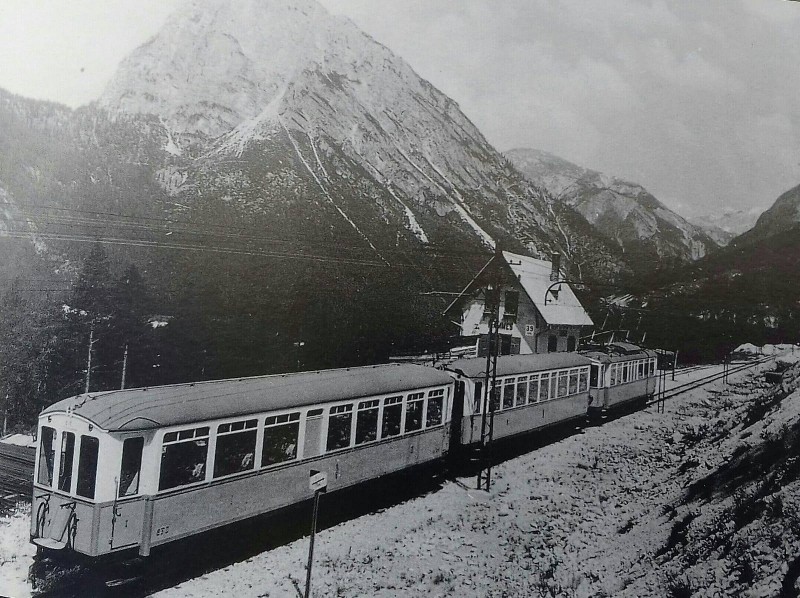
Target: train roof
{"x":508,"y":365}
{"x":617,"y":357}
{"x":160,"y":406}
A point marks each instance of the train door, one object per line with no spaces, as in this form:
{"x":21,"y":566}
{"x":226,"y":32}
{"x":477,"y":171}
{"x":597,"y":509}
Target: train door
{"x":457,"y":415}
{"x":128,"y":507}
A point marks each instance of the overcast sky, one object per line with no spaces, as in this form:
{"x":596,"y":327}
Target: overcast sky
{"x":698,"y":100}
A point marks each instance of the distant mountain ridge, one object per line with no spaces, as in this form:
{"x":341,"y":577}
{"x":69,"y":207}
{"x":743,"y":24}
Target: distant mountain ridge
{"x":624,"y":212}
{"x":782,"y":216}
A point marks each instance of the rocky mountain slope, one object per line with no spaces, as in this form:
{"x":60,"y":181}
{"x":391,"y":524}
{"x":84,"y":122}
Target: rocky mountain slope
{"x":625,"y":212}
{"x":783,"y":216}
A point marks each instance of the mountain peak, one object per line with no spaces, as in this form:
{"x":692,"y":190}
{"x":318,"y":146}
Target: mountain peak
{"x":217,"y":63}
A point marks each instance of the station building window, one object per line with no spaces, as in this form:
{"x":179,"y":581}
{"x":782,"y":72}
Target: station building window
{"x":184,"y":456}
{"x":236,"y":447}
{"x":65,"y":467}
{"x":281,"y":434}
{"x":87,"y":466}
{"x":552,"y":343}
{"x":435,"y":412}
{"x":131,"y":467}
{"x":414,"y":411}
{"x":367,"y":421}
{"x":340,"y":425}
{"x":47,"y":454}
{"x":392,"y":416}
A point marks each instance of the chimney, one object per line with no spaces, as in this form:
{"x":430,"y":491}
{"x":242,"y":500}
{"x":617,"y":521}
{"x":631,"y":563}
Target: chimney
{"x":555,"y":271}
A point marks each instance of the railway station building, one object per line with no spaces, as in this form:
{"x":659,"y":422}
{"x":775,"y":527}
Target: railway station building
{"x":538,"y":310}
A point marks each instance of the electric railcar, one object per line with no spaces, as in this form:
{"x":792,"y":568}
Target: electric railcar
{"x":132,"y":469}
{"x":137,"y":468}
{"x":621,"y":374}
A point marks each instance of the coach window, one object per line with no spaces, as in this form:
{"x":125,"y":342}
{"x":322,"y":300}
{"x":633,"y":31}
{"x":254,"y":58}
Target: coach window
{"x":433,"y":415}
{"x":522,"y":391}
{"x":563,"y":379}
{"x":340,"y":425}
{"x":367,"y":421}
{"x":544,"y":388}
{"x":65,"y":466}
{"x":614,"y":374}
{"x":131,"y":466}
{"x":476,"y":400}
{"x":494,"y":397}
{"x":508,"y":393}
{"x":87,"y":466}
{"x":583,"y":382}
{"x":414,"y":411}
{"x":236,"y":447}
{"x":533,"y":389}
{"x":281,"y":434}
{"x":573,"y":382}
{"x":392,"y":416}
{"x":47,"y":455}
{"x":184,"y":456}
{"x":553,"y":388}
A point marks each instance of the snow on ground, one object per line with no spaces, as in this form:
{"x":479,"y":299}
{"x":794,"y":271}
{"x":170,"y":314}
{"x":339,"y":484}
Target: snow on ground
{"x":617,"y":510}
{"x":16,"y":553}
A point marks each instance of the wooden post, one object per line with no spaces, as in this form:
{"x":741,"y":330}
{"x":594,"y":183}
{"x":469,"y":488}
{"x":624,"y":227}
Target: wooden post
{"x":311,"y":543}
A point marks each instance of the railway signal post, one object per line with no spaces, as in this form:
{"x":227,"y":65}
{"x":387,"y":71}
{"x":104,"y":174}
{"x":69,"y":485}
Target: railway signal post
{"x":318,"y":482}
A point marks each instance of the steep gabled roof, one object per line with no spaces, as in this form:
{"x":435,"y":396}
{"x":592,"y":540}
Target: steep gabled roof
{"x":534,"y":276}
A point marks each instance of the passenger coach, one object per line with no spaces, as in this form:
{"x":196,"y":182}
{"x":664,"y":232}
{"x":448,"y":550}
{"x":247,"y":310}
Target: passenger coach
{"x":137,"y":468}
{"x":533,"y":391}
{"x":620,"y":374}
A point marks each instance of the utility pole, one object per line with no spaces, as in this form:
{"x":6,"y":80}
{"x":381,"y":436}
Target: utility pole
{"x":124,"y":368}
{"x":89,"y":359}
{"x":484,"y":480}
{"x":5,"y":416}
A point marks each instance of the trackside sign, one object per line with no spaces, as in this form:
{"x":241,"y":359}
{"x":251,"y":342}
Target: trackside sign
{"x":318,"y":480}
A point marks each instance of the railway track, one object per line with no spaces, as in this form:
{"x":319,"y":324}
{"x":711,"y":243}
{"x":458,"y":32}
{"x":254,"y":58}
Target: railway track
{"x":693,"y":384}
{"x":16,"y":473}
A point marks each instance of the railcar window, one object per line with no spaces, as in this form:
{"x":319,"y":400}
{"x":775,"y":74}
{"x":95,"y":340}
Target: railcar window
{"x":478,"y":398}
{"x":281,"y":434}
{"x":594,"y":375}
{"x":614,"y":375}
{"x":544,"y":388}
{"x":494,"y":397}
{"x":508,"y":393}
{"x":236,"y":447}
{"x":65,"y":468}
{"x":624,"y":372}
{"x":641,"y":369}
{"x":131,"y":466}
{"x":533,"y":389}
{"x":414,"y":411}
{"x":392,"y":416}
{"x":367,"y":421}
{"x":583,"y":383}
{"x":433,"y":417}
{"x":563,"y":378}
{"x":553,"y":380}
{"x":87,"y":466}
{"x":340,"y":424}
{"x":47,"y":454}
{"x":184,"y":456}
{"x":573,"y":381}
{"x":522,"y":390}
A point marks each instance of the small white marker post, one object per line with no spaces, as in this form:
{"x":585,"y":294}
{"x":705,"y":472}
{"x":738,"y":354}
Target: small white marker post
{"x":318,"y":482}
